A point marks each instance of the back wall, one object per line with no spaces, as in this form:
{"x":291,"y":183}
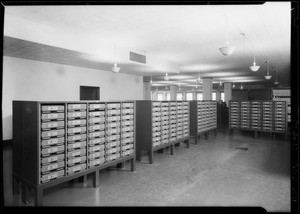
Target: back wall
{"x":43,"y":81}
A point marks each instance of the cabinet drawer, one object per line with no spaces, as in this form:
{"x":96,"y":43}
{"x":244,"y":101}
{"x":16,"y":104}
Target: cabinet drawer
{"x":112,"y":150}
{"x":94,"y":155}
{"x":127,"y":141}
{"x":47,"y":108}
{"x":127,"y":129}
{"x":53,"y":158}
{"x":96,"y":127}
{"x":165,"y":141}
{"x":112,"y":144}
{"x":97,"y":106}
{"x":127,"y":105}
{"x":76,"y":130}
{"x":127,"y":111}
{"x":96,"y":148}
{"x":53,"y":116}
{"x":156,"y":119}
{"x":77,"y":145}
{"x":97,"y":114}
{"x":52,"y":141}
{"x":127,"y":117}
{"x":113,"y":138}
{"x":115,"y":119}
{"x":113,"y":157}
{"x":76,"y":123}
{"x":51,"y":150}
{"x":76,"y":137}
{"x":113,"y":131}
{"x":127,"y":123}
{"x":96,"y":162}
{"x":156,"y":124}
{"x":127,"y":134}
{"x":51,"y":176}
{"x":156,"y":114}
{"x":76,"y":153}
{"x":113,"y":112}
{"x":53,"y":133}
{"x":113,"y":125}
{"x":155,"y":139}
{"x":76,"y":168}
{"x":58,"y":124}
{"x":129,"y":146}
{"x":128,"y":152}
{"x":76,"y":160}
{"x":79,"y":114}
{"x":164,"y":104}
{"x":96,"y":141}
{"x":155,"y":104}
{"x":76,"y":106}
{"x":96,"y":120}
{"x":114,"y":105}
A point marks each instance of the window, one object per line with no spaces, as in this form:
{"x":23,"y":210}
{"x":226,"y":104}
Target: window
{"x":89,"y":93}
{"x":159,"y":96}
{"x":223,"y":96}
{"x":179,"y":96}
{"x":214,"y":96}
{"x":168,"y":96}
{"x":199,"y":96}
{"x":189,"y":96}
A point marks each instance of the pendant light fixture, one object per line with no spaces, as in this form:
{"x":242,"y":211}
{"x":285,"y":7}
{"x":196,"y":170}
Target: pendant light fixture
{"x":166,"y":77}
{"x":227,"y":50}
{"x":115,"y":69}
{"x":254,"y":67}
{"x":241,"y":86}
{"x":233,"y":85}
{"x":220,"y":84}
{"x":199,"y":81}
{"x":268,"y":76}
{"x":276,"y":82}
{"x":179,"y":87}
{"x":151,"y":82}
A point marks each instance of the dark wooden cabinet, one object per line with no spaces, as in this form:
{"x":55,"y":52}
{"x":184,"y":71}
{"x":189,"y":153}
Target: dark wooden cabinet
{"x":259,"y":115}
{"x":161,"y":124}
{"x":55,"y":142}
{"x":203,"y":117}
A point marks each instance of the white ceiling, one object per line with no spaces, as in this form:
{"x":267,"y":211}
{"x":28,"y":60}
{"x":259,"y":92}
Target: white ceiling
{"x":187,"y":37}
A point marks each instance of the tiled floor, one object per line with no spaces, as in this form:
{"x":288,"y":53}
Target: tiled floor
{"x":212,"y":173}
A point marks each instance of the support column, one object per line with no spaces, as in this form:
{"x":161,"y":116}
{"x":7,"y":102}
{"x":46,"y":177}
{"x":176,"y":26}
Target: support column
{"x":218,"y":96}
{"x":147,"y":91}
{"x":194,"y":95}
{"x":172,"y":92}
{"x":207,"y":87}
{"x":227,"y":92}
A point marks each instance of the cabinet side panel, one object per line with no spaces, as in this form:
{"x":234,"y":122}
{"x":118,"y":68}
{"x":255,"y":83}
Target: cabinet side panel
{"x":17,"y":137}
{"x":143,"y":124}
{"x":30,"y":142}
{"x":193,"y":118}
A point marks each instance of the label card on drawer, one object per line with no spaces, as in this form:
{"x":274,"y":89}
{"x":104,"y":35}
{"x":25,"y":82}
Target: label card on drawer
{"x":53,"y":116}
{"x":77,"y":137}
{"x":53,"y":141}
{"x":76,"y":106}
{"x":112,"y":125}
{"x":127,"y":105}
{"x":53,"y":108}
{"x":77,"y":114}
{"x":127,"y":111}
{"x":113,"y":112}
{"x":127,"y":117}
{"x":76,"y":130}
{"x":76,"y":122}
{"x":53,"y":124}
{"x":93,"y":106}
{"x":127,"y":123}
{"x":115,"y":118}
{"x":53,"y":133}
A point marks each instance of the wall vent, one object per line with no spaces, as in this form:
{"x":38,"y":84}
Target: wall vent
{"x":137,"y":57}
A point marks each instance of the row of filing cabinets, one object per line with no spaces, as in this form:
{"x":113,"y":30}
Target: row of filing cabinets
{"x":170,"y":122}
{"x":258,"y":115}
{"x":72,"y":137}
